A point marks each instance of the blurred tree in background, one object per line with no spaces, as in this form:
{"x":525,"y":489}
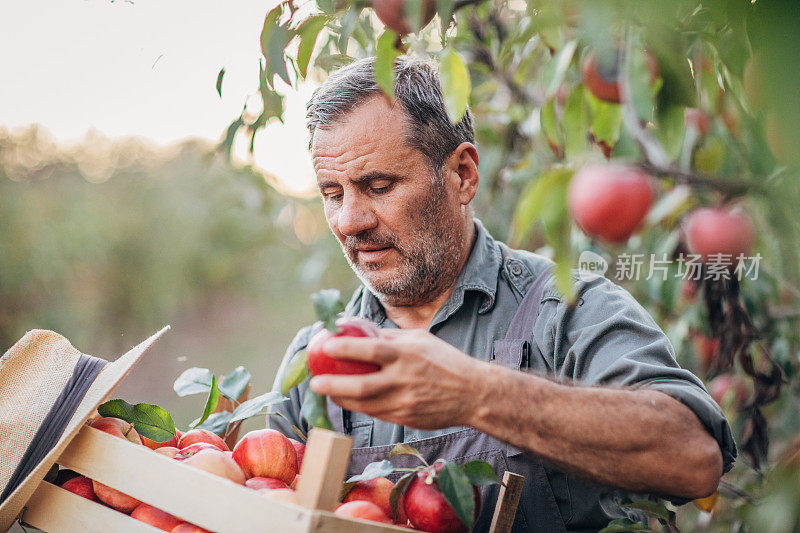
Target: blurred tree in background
{"x":698,"y":100}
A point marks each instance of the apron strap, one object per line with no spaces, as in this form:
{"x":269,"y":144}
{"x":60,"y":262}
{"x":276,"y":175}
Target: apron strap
{"x":521,"y":326}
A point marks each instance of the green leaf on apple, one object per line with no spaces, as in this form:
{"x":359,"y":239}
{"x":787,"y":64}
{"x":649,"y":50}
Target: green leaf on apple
{"x":296,"y":373}
{"x":404,"y":449}
{"x":215,"y":423}
{"x":457,"y":490}
{"x":211,"y":402}
{"x":150,"y":421}
{"x":619,"y":525}
{"x":315,"y":410}
{"x":254,"y":406}
{"x":398,"y":490}
{"x":481,"y":473}
{"x":193,"y":381}
{"x":327,"y":305}
{"x":234,"y":383}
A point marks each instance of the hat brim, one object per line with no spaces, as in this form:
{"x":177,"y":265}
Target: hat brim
{"x":102,"y":386}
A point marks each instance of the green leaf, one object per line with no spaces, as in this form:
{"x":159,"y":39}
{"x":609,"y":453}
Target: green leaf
{"x":296,"y":373}
{"x":193,"y":381}
{"x":619,"y":525}
{"x":274,"y":39}
{"x":404,"y":449}
{"x":555,"y":69}
{"x":398,"y":490}
{"x":551,"y":125}
{"x":211,"y":402}
{"x":216,"y":423}
{"x":455,"y":487}
{"x":327,"y":305}
{"x":309,"y":32}
{"x":254,"y":406}
{"x":606,"y":120}
{"x":314,"y":410}
{"x":373,"y":470}
{"x":456,"y":84}
{"x":234,"y":383}
{"x":575,"y":122}
{"x":220,"y":75}
{"x":653,"y":508}
{"x":386,"y":53}
{"x":543,"y":199}
{"x":150,"y":421}
{"x":481,"y":473}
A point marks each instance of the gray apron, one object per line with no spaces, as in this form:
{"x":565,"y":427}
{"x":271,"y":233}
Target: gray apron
{"x":538,"y":510}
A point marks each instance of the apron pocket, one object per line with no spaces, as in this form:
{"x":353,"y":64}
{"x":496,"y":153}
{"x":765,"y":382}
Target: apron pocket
{"x":362,"y":433}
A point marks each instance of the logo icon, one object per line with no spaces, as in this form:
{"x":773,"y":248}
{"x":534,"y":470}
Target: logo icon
{"x":591,"y":263}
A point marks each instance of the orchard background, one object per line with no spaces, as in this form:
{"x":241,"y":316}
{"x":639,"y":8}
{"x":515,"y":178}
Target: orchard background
{"x":121,"y":236}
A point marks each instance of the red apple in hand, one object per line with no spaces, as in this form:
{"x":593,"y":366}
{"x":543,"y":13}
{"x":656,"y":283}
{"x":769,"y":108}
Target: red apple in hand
{"x":155,"y":517}
{"x":320,"y":363}
{"x":202,"y":435}
{"x":266,"y":453}
{"x":218,"y":463}
{"x":427,"y":508}
{"x":609,"y":201}
{"x":712,"y":231}
{"x":82,"y":486}
{"x":363,"y":510}
{"x":377,"y":491}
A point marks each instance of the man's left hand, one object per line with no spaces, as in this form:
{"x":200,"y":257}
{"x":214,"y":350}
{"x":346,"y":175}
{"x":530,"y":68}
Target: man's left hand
{"x":423,"y":382}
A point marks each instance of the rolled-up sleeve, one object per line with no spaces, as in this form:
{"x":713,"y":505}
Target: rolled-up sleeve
{"x":610,"y":339}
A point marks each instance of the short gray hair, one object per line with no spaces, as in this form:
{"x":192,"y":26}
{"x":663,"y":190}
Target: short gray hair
{"x":418,"y":90}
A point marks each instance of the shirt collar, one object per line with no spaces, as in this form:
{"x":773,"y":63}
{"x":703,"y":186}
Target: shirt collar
{"x":479,"y":274}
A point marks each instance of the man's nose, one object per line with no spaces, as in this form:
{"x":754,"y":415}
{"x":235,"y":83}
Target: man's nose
{"x":355,"y":216}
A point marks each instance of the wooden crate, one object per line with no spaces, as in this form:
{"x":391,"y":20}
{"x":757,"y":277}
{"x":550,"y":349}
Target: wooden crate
{"x":207,"y":500}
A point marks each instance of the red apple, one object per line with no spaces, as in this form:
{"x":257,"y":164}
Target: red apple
{"x":202,"y":435}
{"x":300,"y":451}
{"x":319,"y":362}
{"x":609,"y":201}
{"x":284,"y":495}
{"x":427,"y":508}
{"x":269,"y":483}
{"x":114,"y":498}
{"x":393,"y":14}
{"x":155,"y":445}
{"x":169,"y":451}
{"x":377,"y":491}
{"x":712,"y":231}
{"x":155,"y":517}
{"x":266,"y":453}
{"x":729,"y":390}
{"x":295,"y":483}
{"x":363,"y":510}
{"x":186,"y":527}
{"x":82,"y":486}
{"x":602,"y":78}
{"x":217,"y":462}
{"x":699,"y":120}
{"x":192,"y":449}
{"x":118,"y":428}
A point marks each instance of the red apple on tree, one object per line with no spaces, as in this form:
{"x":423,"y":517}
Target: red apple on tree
{"x":155,"y":517}
{"x":729,"y":390}
{"x":601,"y":74}
{"x":710,"y":231}
{"x":394,"y":15}
{"x":202,"y":435}
{"x":364,"y":510}
{"x":266,"y":453}
{"x":609,"y":201}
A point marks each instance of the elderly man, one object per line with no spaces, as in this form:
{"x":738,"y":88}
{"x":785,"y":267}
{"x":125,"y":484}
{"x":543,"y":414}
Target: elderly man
{"x":601,"y":409}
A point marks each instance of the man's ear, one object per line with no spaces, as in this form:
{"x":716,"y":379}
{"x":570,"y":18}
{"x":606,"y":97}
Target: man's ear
{"x":462,"y":167}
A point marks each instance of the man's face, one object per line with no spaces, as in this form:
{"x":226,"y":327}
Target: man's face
{"x":400,"y":228}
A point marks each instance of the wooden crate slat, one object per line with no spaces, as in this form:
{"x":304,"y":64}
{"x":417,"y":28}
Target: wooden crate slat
{"x":507,"y":501}
{"x":56,"y":510}
{"x":325,"y":522}
{"x":178,"y":489}
{"x":324,"y":466}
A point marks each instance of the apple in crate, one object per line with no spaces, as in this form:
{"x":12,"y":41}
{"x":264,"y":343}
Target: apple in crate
{"x":266,"y":453}
{"x":153,"y":445}
{"x":269,"y":483}
{"x":427,"y":508}
{"x":109,"y":496}
{"x":169,"y":451}
{"x":300,"y":450}
{"x":186,"y":527}
{"x":192,"y":449}
{"x":202,"y":435}
{"x":377,"y":491}
{"x":82,"y":486}
{"x":363,"y":510}
{"x":217,"y":462}
{"x":155,"y":517}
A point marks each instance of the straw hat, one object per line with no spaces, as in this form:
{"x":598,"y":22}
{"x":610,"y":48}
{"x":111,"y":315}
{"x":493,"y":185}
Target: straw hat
{"x":49,"y":391}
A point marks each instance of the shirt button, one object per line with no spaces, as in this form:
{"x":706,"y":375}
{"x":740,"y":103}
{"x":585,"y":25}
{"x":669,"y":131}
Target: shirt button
{"x":516,"y":270}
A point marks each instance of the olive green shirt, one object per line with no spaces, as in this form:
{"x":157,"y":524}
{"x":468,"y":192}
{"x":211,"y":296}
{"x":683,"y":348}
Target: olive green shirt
{"x":609,"y":340}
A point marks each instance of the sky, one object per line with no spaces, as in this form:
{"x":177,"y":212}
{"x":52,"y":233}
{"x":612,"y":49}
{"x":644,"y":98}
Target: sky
{"x":144,"y":68}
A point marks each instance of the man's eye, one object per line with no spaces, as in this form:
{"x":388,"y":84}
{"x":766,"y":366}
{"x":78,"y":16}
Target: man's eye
{"x":381,"y":190}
